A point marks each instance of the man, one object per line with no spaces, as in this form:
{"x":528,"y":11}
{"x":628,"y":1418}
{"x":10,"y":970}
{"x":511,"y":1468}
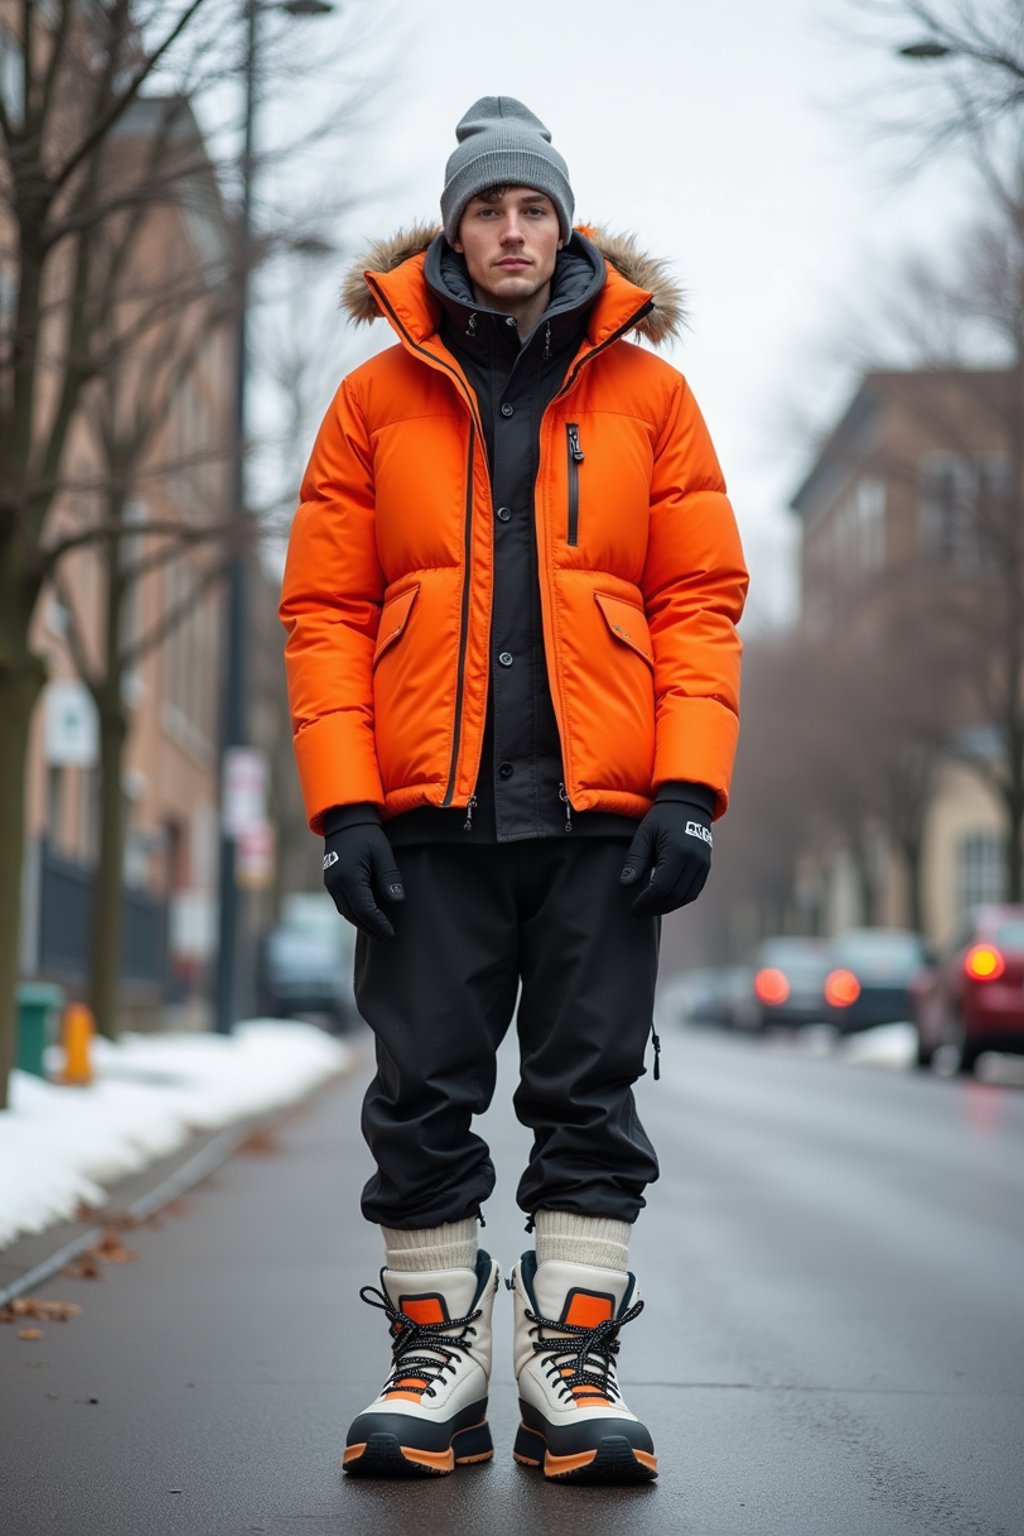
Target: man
{"x":511,"y":597}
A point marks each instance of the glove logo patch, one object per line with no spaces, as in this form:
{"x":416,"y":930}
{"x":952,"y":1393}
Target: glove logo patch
{"x":329,"y":859}
{"x":694,"y":829}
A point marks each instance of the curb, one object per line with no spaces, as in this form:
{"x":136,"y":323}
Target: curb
{"x":195,"y":1168}
{"x":198,"y":1167}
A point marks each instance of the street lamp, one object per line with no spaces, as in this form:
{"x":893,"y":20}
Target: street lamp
{"x":233,"y":714}
{"x":925,"y":50}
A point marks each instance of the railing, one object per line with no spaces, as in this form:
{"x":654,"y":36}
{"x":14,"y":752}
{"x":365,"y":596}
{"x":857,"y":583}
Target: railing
{"x":60,"y":936}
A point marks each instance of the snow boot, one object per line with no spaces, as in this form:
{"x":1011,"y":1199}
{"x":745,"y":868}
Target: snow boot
{"x":431,"y":1414}
{"x":575,"y":1425}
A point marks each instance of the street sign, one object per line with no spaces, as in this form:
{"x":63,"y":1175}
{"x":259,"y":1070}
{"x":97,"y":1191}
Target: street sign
{"x":70,"y":726}
{"x":254,"y":858}
{"x":243,"y":791}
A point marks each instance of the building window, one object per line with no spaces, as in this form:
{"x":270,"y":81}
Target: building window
{"x":190,"y":659}
{"x":869,"y":514}
{"x":964,"y":507}
{"x":8,"y":299}
{"x":980,"y":871}
{"x":12,"y":78}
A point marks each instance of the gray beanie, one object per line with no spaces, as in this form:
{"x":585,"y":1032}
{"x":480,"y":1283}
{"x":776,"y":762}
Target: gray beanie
{"x":502,"y":144}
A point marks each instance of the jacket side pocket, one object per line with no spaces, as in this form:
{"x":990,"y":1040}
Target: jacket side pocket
{"x":628,"y":624}
{"x":394,"y":617}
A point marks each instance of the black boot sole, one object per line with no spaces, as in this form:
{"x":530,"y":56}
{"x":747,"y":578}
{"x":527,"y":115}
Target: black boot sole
{"x":383,"y":1456}
{"x":612,"y":1460}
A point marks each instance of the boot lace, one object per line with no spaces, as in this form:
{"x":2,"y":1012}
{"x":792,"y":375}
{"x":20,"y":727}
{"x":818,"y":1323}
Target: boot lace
{"x":408,"y":1336}
{"x":582,"y":1359}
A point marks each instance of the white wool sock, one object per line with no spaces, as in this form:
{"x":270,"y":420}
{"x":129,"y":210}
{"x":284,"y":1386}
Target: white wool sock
{"x":451,"y":1246}
{"x":582,"y":1239}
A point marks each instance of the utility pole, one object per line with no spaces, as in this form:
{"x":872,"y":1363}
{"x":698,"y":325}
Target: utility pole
{"x":234,"y":713}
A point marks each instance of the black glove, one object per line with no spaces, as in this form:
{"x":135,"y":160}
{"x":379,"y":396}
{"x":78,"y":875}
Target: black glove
{"x":671,"y":850}
{"x":359,"y":868}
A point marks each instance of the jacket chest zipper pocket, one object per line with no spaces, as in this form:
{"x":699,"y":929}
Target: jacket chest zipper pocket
{"x":572,"y":437}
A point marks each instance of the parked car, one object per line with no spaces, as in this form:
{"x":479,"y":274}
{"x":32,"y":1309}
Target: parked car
{"x":307,"y":962}
{"x":972,"y":998}
{"x":784,"y":983}
{"x":695,"y":996}
{"x":869,"y":976}
{"x":710,"y":995}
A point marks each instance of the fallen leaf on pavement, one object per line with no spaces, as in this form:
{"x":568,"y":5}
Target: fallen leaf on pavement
{"x":111,"y":1249}
{"x":85,"y":1267}
{"x":35,"y":1306}
{"x":259,"y":1144}
{"x":30,"y":1333}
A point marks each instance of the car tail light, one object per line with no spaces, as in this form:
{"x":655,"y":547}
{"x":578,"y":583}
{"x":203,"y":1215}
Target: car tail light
{"x":771,"y":986}
{"x":984,"y":963}
{"x":841,"y":989}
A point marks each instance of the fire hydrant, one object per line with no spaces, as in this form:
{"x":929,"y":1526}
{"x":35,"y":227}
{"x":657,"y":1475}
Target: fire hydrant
{"x":78,"y":1030}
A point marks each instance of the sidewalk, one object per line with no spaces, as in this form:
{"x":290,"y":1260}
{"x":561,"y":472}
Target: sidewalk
{"x":831,"y":1346}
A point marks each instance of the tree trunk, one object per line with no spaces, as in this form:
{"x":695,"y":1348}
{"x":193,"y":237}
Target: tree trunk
{"x":911,"y":849}
{"x":105,"y":955}
{"x":21,"y":682}
{"x":865,"y":878}
{"x":107,"y":691}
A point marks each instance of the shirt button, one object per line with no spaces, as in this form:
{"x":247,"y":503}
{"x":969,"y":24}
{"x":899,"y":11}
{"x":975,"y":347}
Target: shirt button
{"x":504,"y":514}
{"x":505,"y":658}
{"x":510,"y":320}
{"x":508,"y":410}
{"x":506,"y":770}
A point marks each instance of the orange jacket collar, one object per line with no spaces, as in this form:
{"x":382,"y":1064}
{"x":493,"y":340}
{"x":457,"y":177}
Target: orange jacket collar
{"x":410,"y":307}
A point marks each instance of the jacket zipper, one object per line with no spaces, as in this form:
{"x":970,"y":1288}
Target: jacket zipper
{"x":568,"y":808}
{"x":572,"y":433}
{"x":463,"y":635}
{"x":468,"y":543}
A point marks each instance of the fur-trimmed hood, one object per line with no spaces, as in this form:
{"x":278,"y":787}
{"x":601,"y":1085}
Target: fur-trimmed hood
{"x":661,"y":325}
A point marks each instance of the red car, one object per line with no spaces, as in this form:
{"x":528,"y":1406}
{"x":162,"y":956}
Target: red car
{"x":972,"y":998}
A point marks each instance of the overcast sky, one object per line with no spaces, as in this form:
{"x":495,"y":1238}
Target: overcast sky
{"x":731,"y":139}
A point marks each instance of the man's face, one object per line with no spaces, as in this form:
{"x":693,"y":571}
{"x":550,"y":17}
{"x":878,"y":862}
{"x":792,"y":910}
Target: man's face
{"x":510,"y":244}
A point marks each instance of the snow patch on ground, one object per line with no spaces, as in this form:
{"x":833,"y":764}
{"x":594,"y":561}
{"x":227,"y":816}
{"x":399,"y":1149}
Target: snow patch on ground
{"x":885,"y":1045}
{"x":893,"y":1046}
{"x":59,"y":1146}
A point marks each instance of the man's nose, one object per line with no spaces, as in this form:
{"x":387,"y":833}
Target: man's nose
{"x":512,"y":234}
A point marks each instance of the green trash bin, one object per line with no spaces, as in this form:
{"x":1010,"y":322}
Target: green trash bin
{"x":39,"y":1006}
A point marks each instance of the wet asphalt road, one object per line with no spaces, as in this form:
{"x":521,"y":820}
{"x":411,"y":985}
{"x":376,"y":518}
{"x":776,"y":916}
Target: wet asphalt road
{"x":833,"y":1344}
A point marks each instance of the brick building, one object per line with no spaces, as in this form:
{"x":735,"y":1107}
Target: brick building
{"x":902,"y":506}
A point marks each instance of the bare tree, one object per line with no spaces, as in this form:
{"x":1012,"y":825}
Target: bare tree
{"x":961,"y":73}
{"x":76,"y":195}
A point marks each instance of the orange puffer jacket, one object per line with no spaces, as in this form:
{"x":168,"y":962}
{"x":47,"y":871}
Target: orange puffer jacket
{"x":387,"y":588}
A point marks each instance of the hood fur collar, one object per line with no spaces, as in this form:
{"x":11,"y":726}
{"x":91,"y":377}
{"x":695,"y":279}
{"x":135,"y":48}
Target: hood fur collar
{"x":664,"y":323}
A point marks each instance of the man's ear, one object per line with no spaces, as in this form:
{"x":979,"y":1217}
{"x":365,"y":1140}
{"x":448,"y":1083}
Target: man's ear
{"x":457,"y":246}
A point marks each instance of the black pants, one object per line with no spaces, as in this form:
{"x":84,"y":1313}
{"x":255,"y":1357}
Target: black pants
{"x":439,"y":998}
